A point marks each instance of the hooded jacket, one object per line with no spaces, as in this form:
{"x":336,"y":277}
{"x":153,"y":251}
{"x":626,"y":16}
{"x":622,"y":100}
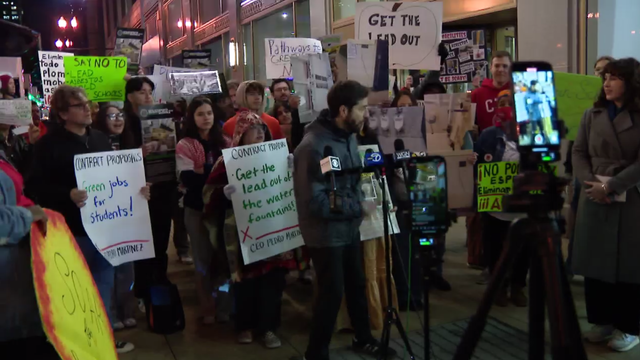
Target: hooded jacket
{"x":320,"y":226}
{"x":241,"y":98}
{"x":486,"y":99}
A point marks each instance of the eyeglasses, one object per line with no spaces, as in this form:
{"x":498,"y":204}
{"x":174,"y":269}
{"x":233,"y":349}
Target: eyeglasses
{"x":118,"y":116}
{"x":83,"y":105}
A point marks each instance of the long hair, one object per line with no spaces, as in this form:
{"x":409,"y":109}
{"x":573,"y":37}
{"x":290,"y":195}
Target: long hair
{"x":101,"y":124}
{"x":402,"y":93}
{"x":216,"y":140}
{"x":628,"y":70}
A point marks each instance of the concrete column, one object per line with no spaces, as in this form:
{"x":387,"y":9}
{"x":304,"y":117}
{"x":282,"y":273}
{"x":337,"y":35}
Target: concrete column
{"x":235,"y":32}
{"x":319,"y":14}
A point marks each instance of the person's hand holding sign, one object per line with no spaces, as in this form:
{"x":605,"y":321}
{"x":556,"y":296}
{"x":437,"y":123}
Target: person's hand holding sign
{"x":39,"y":217}
{"x":79,"y":197}
{"x":229,"y":190}
{"x":34,"y":134}
{"x":146,"y":191}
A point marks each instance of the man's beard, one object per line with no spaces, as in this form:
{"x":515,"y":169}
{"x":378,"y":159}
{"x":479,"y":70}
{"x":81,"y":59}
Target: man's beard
{"x":352,"y":125}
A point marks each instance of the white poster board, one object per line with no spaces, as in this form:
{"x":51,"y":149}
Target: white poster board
{"x":167,"y":70}
{"x":264,"y":204}
{"x":15,"y":112}
{"x":278,"y":52}
{"x":413,"y":29}
{"x":116,"y":215}
{"x":52,"y":71}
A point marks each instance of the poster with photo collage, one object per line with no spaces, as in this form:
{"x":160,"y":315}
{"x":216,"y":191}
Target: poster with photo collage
{"x":467,"y":60}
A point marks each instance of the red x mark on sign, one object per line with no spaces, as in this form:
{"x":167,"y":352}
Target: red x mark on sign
{"x":246,"y":235}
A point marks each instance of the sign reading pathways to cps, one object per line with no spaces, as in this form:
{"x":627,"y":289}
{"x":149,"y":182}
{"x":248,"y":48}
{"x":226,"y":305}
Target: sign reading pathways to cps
{"x":264,"y":204}
{"x":413,"y":31}
{"x":72,"y":312}
{"x":102,"y":77}
{"x":52,"y":72}
{"x":278,"y":52}
{"x":116,"y":215}
{"x":496,"y":180}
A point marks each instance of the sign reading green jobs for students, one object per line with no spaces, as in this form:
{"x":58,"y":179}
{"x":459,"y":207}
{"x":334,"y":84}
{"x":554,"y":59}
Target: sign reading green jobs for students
{"x":496,"y":180}
{"x":575,"y":94}
{"x":102,"y":77}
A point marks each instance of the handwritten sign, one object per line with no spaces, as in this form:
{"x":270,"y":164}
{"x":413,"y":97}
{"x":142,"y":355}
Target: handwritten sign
{"x":575,"y":94}
{"x":102,"y":77}
{"x":73,"y":315}
{"x":278,"y":52}
{"x":413,"y":31}
{"x":264,"y":204}
{"x":52,"y":72}
{"x":166,"y":71}
{"x":496,"y":180}
{"x":116,"y":215}
{"x":15,"y":112}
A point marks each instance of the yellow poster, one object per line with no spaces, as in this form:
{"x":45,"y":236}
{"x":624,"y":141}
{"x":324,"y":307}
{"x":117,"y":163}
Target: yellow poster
{"x":496,"y":180}
{"x":72,"y":312}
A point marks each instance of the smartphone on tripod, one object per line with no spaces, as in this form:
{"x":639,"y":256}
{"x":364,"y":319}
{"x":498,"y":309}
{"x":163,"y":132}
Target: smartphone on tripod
{"x":428,"y":195}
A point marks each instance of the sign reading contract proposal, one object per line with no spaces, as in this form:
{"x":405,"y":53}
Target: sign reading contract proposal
{"x":264,"y":203}
{"x":116,"y":214}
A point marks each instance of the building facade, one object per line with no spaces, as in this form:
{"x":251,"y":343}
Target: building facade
{"x":563,"y":32}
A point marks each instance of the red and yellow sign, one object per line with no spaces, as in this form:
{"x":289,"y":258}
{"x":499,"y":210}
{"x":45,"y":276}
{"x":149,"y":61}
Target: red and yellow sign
{"x":72,"y":311}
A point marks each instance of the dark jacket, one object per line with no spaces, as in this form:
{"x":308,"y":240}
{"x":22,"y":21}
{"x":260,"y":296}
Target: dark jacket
{"x":53,"y":172}
{"x":319,"y":226}
{"x":19,"y":152}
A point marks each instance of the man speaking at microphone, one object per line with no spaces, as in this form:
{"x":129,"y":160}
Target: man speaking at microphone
{"x":330,"y":211}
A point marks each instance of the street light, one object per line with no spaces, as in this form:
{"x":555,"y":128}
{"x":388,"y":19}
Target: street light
{"x":74,"y":23}
{"x":62,"y":23}
{"x":68,"y":43}
{"x":59,"y":44}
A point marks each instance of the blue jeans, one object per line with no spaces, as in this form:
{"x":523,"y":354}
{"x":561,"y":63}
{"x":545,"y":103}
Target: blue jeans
{"x":101,"y":270}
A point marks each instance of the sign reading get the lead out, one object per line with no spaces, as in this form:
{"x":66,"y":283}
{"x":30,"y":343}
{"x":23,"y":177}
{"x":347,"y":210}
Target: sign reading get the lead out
{"x":263,"y":204}
{"x":102,"y":77}
{"x":116,"y":214}
{"x":413,"y":31}
{"x":278,"y":52}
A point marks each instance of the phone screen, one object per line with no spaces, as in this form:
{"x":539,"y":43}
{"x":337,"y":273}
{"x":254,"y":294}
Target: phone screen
{"x":536,"y":107}
{"x":428,"y":194}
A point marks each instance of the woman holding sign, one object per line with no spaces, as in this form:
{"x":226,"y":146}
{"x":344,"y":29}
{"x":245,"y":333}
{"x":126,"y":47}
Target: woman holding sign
{"x":196,"y":153}
{"x":258,"y":286}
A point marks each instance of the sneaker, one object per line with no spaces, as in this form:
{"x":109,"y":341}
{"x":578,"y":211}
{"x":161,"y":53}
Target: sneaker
{"x":518,"y":297}
{"x":371,"y":348}
{"x":117,"y":326}
{"x":623,"y":342}
{"x":502,"y":299}
{"x":186,"y":259}
{"x":245,"y":337}
{"x":271,"y":341}
{"x":130,"y":322}
{"x":141,"y":306}
{"x":123,"y":347}
{"x":599,"y":333}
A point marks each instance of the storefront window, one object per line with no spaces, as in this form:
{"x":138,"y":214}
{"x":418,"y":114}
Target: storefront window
{"x":217,"y":54}
{"x":151,"y":28}
{"x":209,"y":9}
{"x":303,"y":19}
{"x":174,"y":19}
{"x":343,"y":9}
{"x":246,"y":47}
{"x":276,"y":25}
{"x":612,"y":30}
{"x":225,"y":50}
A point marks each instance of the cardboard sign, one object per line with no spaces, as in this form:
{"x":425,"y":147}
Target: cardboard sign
{"x":467,"y":57}
{"x":413,"y":31}
{"x":575,"y":94}
{"x":51,"y":71}
{"x":159,"y":138}
{"x":166,"y":71}
{"x":116,"y":215}
{"x":102,"y":77}
{"x":496,"y":180}
{"x":129,"y":44}
{"x":15,"y":112}
{"x":264,"y":204}
{"x":196,"y":59}
{"x":278,"y":52}
{"x":73,"y":315}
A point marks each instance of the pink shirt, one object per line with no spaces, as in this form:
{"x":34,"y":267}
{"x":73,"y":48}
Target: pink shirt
{"x":18,"y":183}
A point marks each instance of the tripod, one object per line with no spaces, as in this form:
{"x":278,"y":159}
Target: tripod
{"x":548,"y":280}
{"x":391,"y":315}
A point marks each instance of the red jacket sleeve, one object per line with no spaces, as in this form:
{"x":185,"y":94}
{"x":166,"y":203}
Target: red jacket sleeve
{"x":274,"y":126}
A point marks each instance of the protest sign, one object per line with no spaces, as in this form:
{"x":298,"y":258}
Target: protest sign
{"x":159,"y":138}
{"x":264,"y":204}
{"x":194,"y":83}
{"x":413,"y":31}
{"x":73,"y":315}
{"x":15,"y":112}
{"x":467,"y":57}
{"x":129,"y":44}
{"x":496,"y":180}
{"x":196,"y":59}
{"x":575,"y":94}
{"x":331,"y":42}
{"x":166,"y":71}
{"x":102,"y":77}
{"x":52,"y":72}
{"x":116,"y":215}
{"x":404,"y":123}
{"x":278,"y":52}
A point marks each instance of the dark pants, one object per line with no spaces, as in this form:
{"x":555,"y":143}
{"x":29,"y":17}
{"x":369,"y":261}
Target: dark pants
{"x":29,"y":348}
{"x":259,"y":302}
{"x":180,"y":239}
{"x":405,"y":249}
{"x":577,"y":188}
{"x":613,"y":304}
{"x":339,"y":270}
{"x":153,"y":271}
{"x":494,"y":237}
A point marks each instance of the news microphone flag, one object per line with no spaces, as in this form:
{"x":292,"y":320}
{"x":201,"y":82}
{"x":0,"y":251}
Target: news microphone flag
{"x":373,"y":159}
{"x":330,"y":164}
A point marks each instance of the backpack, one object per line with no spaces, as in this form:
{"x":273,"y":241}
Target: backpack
{"x":165,"y":314}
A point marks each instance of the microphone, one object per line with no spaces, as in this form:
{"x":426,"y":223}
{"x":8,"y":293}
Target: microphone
{"x":402,"y":155}
{"x":330,"y":165}
{"x":373,"y":161}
